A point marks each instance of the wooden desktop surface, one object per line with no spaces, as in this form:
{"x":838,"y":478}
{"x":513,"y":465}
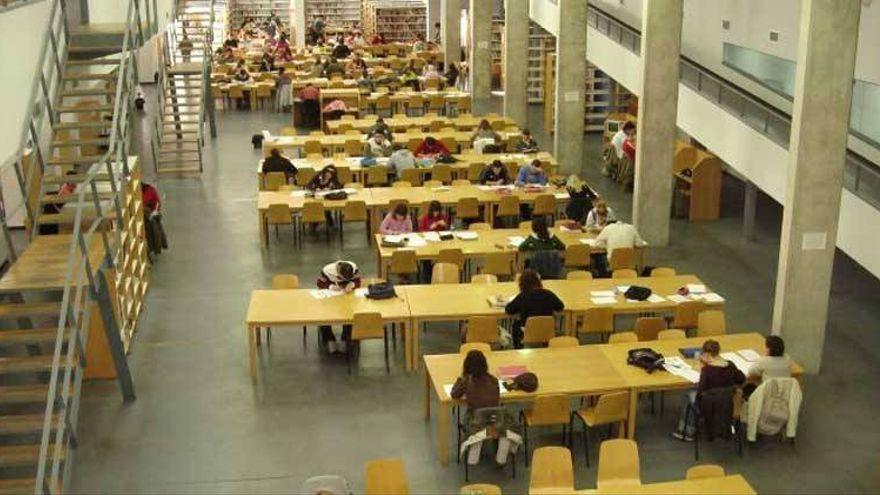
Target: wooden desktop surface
{"x":728,"y":485}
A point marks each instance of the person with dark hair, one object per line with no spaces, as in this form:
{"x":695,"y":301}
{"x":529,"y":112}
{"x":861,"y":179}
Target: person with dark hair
{"x":716,"y":372}
{"x":397,"y":221}
{"x":276,"y":162}
{"x":495,"y":174}
{"x":434,"y":220}
{"x":326,"y":180}
{"x":342,"y":276}
{"x":451,"y":74}
{"x":485,"y":131}
{"x":531,"y":174}
{"x":626,"y":130}
{"x":533,"y":300}
{"x":476,"y":385}
{"x":431,"y":148}
{"x":527,"y":143}
{"x":381,"y":126}
{"x":311,"y":108}
{"x":776,"y":364}
{"x":541,"y":239}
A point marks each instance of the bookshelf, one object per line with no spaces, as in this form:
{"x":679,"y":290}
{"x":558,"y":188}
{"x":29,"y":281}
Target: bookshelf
{"x":497,"y":47}
{"x":396,"y":20}
{"x":541,"y":45}
{"x":259,"y":10}
{"x":337,"y":13}
{"x":132,"y":263}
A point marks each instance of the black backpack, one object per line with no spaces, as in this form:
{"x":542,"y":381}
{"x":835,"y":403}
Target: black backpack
{"x":645,"y":358}
{"x":382,"y":290}
{"x":637,"y":293}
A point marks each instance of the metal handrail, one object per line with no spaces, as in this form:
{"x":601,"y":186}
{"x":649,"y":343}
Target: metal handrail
{"x":748,"y":108}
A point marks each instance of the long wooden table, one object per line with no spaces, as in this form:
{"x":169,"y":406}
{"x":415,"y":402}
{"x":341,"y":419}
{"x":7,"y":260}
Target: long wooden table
{"x":734,"y":484}
{"x":301,"y":307}
{"x":462,"y":122}
{"x":295,"y":201}
{"x":577,"y":371}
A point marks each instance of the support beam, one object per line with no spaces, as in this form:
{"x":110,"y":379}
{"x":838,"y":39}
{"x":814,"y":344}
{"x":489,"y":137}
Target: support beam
{"x":750,"y":208}
{"x":299,"y":22}
{"x":516,"y":55}
{"x":819,"y":131}
{"x":655,"y":131}
{"x":450,"y":30}
{"x":571,"y":72}
{"x":480,"y":56}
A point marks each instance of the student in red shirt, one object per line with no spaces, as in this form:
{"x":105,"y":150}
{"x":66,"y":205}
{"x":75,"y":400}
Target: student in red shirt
{"x":152,"y":202}
{"x":434,"y":220}
{"x":431,"y":148}
{"x":629,"y":148}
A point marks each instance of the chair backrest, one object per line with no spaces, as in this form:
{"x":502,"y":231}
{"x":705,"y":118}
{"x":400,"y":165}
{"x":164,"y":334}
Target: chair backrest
{"x":274,"y":180}
{"x":508,"y":206}
{"x":663,"y":271}
{"x":671,"y":334}
{"x":624,"y":273}
{"x":623,"y":257}
{"x":484,"y":278}
{"x":432,"y":183}
{"x":545,"y":204}
{"x":579,"y":275}
{"x":563,"y":341}
{"x":411,"y":175}
{"x":367,"y":326}
{"x":386,"y":477}
{"x":479,"y":489}
{"x":704,"y":471}
{"x":551,"y":468}
{"x":479,"y":226}
{"x":475,"y":346}
{"x":451,"y":255}
{"x":475,"y":171}
{"x":304,"y":176}
{"x":354,"y":211}
{"x":344,"y":174}
{"x":445,"y":273}
{"x":647,"y":327}
{"x":401,"y":183}
{"x":611,"y":408}
{"x":461,"y":182}
{"x":403,"y":261}
{"x":711,"y":322}
{"x":482,"y":329}
{"x":500,"y":263}
{"x":619,"y":337}
{"x":313,"y":212}
{"x":450,"y":143}
{"x":313,"y":147}
{"x":278,"y":213}
{"x":550,"y":409}
{"x":467,"y":208}
{"x":353,"y":185}
{"x":285,"y":281}
{"x":618,"y":463}
{"x":686,"y":314}
{"x":441,"y":172}
{"x":577,"y":255}
{"x":377,"y":175}
{"x":413,"y":143}
{"x":598,"y":319}
{"x":539,"y":330}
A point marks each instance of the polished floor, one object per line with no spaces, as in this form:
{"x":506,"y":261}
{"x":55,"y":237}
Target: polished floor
{"x":200,"y":425}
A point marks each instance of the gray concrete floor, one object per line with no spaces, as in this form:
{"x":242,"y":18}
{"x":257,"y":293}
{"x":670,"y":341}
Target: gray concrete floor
{"x":200,"y":425}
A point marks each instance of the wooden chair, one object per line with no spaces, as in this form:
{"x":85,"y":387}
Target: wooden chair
{"x":563,"y":341}
{"x":415,"y":105}
{"x":413,"y":143}
{"x":499,"y":264}
{"x":671,"y":334}
{"x":454,"y":256}
{"x":304,"y":176}
{"x":598,"y":319}
{"x":621,"y":337}
{"x":508,"y":208}
{"x":547,"y":410}
{"x":475,"y":346}
{"x":623,"y":258}
{"x":344,"y":175}
{"x":484,"y":278}
{"x":624,"y":273}
{"x":461,"y":182}
{"x":579,"y":275}
{"x":279,"y":214}
{"x":263,"y":94}
{"x":236,"y":93}
{"x":436,"y":103}
{"x":618,"y":463}
{"x":610,"y":409}
{"x":313,"y":146}
{"x":467,"y":209}
{"x":377,"y":175}
{"x":479,"y":489}
{"x":316,"y":133}
{"x":382,"y":106}
{"x":701,"y":471}
{"x":432,"y":183}
{"x":525,"y":225}
{"x":354,"y":211}
{"x":553,"y":470}
{"x":282,"y":282}
{"x":545,"y":205}
{"x":274,"y":180}
{"x":367,"y":326}
{"x":450,"y":143}
{"x":442,"y":172}
{"x":539,"y":330}
{"x":445,"y":273}
{"x":663,"y":271}
{"x":385,"y":477}
{"x":479,"y":226}
{"x":403,"y":263}
{"x":711,"y":323}
{"x":647,"y":328}
{"x":354,"y":147}
{"x":313,"y":213}
{"x":686,"y":315}
{"x":475,"y":171}
{"x":482,"y":329}
{"x":401,"y":183}
{"x":411,"y":175}
{"x":577,"y":256}
{"x":353,"y":185}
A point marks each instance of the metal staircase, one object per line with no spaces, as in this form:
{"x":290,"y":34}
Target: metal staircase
{"x":185,"y":102}
{"x":76,"y":133}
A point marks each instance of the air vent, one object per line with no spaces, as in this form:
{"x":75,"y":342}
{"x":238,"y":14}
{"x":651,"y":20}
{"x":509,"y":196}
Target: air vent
{"x":774,"y":36}
{"x":725,"y":24}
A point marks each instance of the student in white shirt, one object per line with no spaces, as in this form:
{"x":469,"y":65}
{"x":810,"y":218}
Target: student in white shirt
{"x":776,"y":364}
{"x":617,"y":235}
{"x":628,"y":129}
{"x":600,"y":215}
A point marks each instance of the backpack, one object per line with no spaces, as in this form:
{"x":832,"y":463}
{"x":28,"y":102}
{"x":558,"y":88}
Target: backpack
{"x":645,"y":358}
{"x":774,"y":412}
{"x":257,"y":141}
{"x":637,"y":293}
{"x":383,"y":290}
{"x":336,"y":196}
{"x":446,"y":159}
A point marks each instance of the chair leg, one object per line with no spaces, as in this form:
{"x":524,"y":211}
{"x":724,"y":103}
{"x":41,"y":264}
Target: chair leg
{"x":304,"y":336}
{"x":385,"y":341}
{"x":259,"y":337}
{"x":268,"y":335}
{"x":348,"y":351}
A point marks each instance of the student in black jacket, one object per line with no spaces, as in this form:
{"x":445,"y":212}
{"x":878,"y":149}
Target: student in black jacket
{"x":276,"y":162}
{"x":495,"y":174}
{"x":533,"y":300}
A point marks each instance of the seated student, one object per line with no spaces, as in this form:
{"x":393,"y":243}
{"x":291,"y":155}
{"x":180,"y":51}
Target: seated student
{"x":381,"y":126}
{"x":533,"y":300}
{"x":451,"y":75}
{"x":339,"y":276}
{"x":541,"y":239}
{"x":317,"y":67}
{"x":716,"y":372}
{"x":276,"y":162}
{"x":326,"y":180}
{"x":476,"y":385}
{"x":341,"y":51}
{"x":495,"y":174}
{"x":485,"y":131}
{"x":333,"y":67}
{"x":397,"y":221}
{"x":267,"y":63}
{"x":618,"y":235}
{"x":377,"y":147}
{"x":430,"y":72}
{"x":600,"y":216}
{"x":409,"y":76}
{"x":776,"y":364}
{"x":531,"y":174}
{"x":401,"y":159}
{"x":434,"y":220}
{"x":431,"y":148}
{"x":527,"y":143}
{"x":241,"y":73}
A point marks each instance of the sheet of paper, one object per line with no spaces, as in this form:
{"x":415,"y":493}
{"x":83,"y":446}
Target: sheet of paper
{"x":737,"y":360}
{"x":350,"y":191}
{"x":654,"y":298}
{"x":588,"y":242}
{"x":696,"y":288}
{"x":560,"y":195}
{"x":712,"y":297}
{"x":440,"y":188}
{"x":603,"y":293}
{"x":325,"y":293}
{"x":748,"y":354}
{"x":298,"y":194}
{"x":466,"y":235}
{"x":622,"y":288}
{"x":680,"y":368}
{"x":431,"y":236}
{"x":515,"y":240}
{"x":677,"y":298}
{"x":484,"y":188}
{"x":447,"y":389}
{"x":360,"y":292}
{"x":415,"y":240}
{"x":393,"y":238}
{"x":603,"y":300}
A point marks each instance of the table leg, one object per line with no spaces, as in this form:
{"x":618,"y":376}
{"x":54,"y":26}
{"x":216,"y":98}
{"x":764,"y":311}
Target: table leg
{"x":416,"y":352}
{"x":407,"y":345}
{"x":427,"y":395}
{"x":264,"y":231}
{"x":633,"y":408}
{"x":443,"y":417}
{"x":252,"y":351}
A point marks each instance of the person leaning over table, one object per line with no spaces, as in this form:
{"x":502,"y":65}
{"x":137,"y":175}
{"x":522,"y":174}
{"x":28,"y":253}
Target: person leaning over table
{"x":495,"y":174}
{"x":533,"y":300}
{"x":276,"y":162}
{"x":531,"y":174}
{"x":431,"y":148}
{"x":434,"y":220}
{"x":401,"y":159}
{"x":381,"y":126}
{"x":485,"y":131}
{"x":527,"y":143}
{"x":600,"y":215}
{"x":317,"y":69}
{"x":342,"y":50}
{"x":326,"y":180}
{"x":451,"y":75}
{"x":541,"y":239}
{"x":333,"y":67}
{"x":776,"y":364}
{"x":617,"y":235}
{"x":716,"y":372}
{"x":267,"y":63}
{"x":342,"y":276}
{"x":377,"y":146}
{"x":397,"y":221}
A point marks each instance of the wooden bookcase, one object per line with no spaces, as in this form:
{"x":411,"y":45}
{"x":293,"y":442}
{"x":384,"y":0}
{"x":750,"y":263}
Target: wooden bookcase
{"x":132,"y":260}
{"x":396,"y":20}
{"x":541,"y":45}
{"x":337,"y":13}
{"x":259,"y":10}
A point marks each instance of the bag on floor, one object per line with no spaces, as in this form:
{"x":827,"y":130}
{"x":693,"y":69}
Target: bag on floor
{"x":257,"y":141}
{"x":645,"y":358}
{"x":382,"y":290}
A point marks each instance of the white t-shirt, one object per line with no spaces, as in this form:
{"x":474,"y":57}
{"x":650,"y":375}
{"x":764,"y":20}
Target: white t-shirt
{"x":593,"y":217}
{"x":619,"y":235}
{"x":617,"y":142}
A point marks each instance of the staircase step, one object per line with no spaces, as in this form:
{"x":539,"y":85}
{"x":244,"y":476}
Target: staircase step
{"x":71,"y":198}
{"x":30,"y":364}
{"x":88,"y":92}
{"x":28,"y":336}
{"x":186,"y":122}
{"x":94,"y":61}
{"x":80,"y":142}
{"x":178,"y":152}
{"x":181,"y":132}
{"x":61,"y":179}
{"x":22,"y":455}
{"x":77,"y":160}
{"x":81,"y":125}
{"x":179,"y":160}
{"x":24,"y":394}
{"x":82,"y":49}
{"x":67,"y":217}
{"x":23,"y":310}
{"x":95,"y":108}
{"x":17,"y":486}
{"x":24,"y":424}
{"x":183,"y":104}
{"x":84,"y":76}
{"x":185,"y":112}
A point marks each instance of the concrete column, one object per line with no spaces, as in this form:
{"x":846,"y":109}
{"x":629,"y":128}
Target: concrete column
{"x":571,"y":73}
{"x":299,"y":22}
{"x":432,"y":16}
{"x":655,"y":138}
{"x":450,"y":30}
{"x":750,"y":207}
{"x":516,"y":55}
{"x":819,"y":131}
{"x":480,"y":54}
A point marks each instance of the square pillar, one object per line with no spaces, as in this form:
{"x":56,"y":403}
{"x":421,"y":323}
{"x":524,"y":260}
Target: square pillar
{"x":819,"y":132}
{"x":516,"y":56}
{"x":450,"y":30}
{"x":658,"y":108}
{"x":480,"y":70}
{"x":571,"y":75}
{"x":299,"y":23}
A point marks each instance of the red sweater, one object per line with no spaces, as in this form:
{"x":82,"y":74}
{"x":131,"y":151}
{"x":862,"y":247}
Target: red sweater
{"x":438,"y":148}
{"x":150,"y":197}
{"x":426,"y":221}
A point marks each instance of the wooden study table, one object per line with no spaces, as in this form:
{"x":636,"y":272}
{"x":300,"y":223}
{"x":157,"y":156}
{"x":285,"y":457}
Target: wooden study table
{"x":295,"y":201}
{"x":573,"y":371}
{"x":452,"y":96}
{"x":639,"y":381}
{"x":269,"y":308}
{"x":734,"y":484}
{"x":249,"y":87}
{"x":398,"y":124}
